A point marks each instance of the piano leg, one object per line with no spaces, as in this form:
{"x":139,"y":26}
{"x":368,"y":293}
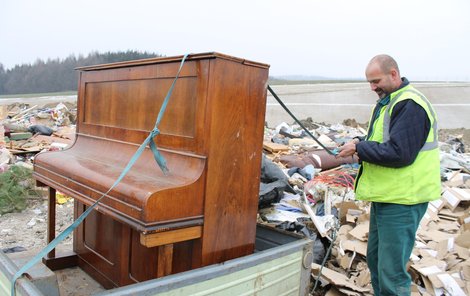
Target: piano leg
{"x":65,"y":259}
{"x":165,"y":260}
{"x":51,"y":219}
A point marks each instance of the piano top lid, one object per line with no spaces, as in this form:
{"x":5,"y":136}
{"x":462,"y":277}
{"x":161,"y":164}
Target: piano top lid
{"x":159,"y":60}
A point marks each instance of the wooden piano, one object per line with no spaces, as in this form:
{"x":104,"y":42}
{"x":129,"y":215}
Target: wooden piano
{"x":150,"y":225}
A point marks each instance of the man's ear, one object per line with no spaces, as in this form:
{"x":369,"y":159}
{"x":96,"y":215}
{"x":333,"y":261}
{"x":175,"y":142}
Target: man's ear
{"x":395,"y":74}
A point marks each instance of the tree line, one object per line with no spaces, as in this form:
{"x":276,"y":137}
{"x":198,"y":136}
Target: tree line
{"x":55,"y":75}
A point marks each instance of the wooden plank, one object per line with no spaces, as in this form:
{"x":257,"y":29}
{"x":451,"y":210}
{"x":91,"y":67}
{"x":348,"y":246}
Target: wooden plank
{"x":60,"y":261}
{"x":169,"y":237}
{"x":274,"y":147}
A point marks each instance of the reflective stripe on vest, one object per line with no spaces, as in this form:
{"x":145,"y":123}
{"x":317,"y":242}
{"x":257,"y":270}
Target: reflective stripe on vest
{"x":386,"y":123}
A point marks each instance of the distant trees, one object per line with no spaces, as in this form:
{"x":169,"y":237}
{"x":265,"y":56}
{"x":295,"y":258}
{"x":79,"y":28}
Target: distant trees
{"x":2,"y":77}
{"x":57,"y":75}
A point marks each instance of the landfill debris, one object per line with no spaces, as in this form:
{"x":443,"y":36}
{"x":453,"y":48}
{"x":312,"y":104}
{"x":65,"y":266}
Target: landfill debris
{"x":323,"y":207}
{"x":62,"y":198}
{"x":15,"y":249}
{"x":26,"y":130}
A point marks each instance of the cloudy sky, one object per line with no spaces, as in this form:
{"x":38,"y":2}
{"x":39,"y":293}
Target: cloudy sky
{"x":430,"y":39}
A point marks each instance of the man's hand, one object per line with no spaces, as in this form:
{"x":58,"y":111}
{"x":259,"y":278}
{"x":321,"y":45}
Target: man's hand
{"x":347,"y":149}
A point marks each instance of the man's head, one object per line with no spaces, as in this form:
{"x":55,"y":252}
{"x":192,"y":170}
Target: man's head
{"x":383,"y":75}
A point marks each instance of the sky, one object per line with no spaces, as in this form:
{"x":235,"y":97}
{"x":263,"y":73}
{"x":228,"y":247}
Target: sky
{"x":430,"y":39}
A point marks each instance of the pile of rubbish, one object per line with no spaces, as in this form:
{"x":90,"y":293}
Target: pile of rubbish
{"x":25,"y":131}
{"x":307,"y":190}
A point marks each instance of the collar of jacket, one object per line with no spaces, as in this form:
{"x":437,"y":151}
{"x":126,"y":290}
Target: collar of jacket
{"x":385,"y":100}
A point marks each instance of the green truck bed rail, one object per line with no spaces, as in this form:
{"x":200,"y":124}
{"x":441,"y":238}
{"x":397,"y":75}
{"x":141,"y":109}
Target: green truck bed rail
{"x":281,"y":265}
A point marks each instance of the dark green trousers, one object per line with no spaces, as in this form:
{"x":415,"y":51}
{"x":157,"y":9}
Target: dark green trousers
{"x":391,"y":239}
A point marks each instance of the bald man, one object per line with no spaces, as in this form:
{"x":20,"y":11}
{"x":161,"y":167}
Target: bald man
{"x":399,"y":173}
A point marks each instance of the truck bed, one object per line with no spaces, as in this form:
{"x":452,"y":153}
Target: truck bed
{"x":279,"y":266}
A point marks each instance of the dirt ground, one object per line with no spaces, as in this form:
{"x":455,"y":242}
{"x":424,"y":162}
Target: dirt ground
{"x":450,"y":134}
{"x":28,"y":228}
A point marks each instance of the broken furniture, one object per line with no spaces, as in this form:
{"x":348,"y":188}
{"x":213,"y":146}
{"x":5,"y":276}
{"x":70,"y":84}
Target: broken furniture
{"x":151,"y":224}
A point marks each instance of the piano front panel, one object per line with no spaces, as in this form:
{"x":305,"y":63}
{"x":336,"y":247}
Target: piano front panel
{"x":124,"y":105}
{"x":110,"y":103}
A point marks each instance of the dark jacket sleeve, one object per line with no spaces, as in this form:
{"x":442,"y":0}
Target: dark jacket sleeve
{"x":409,"y":127}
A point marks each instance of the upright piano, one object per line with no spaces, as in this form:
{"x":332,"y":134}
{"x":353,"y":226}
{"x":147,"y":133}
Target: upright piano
{"x":151,"y":224}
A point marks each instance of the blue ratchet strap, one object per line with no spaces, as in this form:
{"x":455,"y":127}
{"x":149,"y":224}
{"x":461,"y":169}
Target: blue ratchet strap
{"x":159,"y":159}
{"x":331,"y":152}
{"x":156,"y":154}
{"x":335,"y":151}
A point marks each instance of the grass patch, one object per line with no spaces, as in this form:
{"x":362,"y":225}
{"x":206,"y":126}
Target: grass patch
{"x":16,"y":186}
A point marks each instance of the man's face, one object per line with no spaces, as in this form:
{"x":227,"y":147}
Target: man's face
{"x":380,"y":82}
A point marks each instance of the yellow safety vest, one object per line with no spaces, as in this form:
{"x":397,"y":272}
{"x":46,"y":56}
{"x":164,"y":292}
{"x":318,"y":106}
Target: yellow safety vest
{"x":416,"y":183}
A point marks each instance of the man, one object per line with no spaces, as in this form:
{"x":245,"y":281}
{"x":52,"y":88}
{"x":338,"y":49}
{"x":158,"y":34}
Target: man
{"x":399,"y":173}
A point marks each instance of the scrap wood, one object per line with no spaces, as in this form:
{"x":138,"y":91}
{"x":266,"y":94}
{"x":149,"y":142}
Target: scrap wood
{"x":274,"y":147}
{"x":349,"y":292}
{"x":345,"y":261}
{"x":435,"y":235}
{"x":344,"y":211}
{"x":444,"y":247}
{"x":465,"y":218}
{"x":454,"y":196}
{"x":429,"y":265}
{"x":438,"y":204}
{"x":333,"y":291}
{"x":435,"y":282}
{"x":463,"y":194}
{"x":430,"y":290}
{"x":31,"y":139}
{"x":447,"y":216}
{"x":52,"y":139}
{"x":15,"y":118}
{"x":452,"y":261}
{"x":64,"y":135}
{"x":427,"y":253}
{"x":447,"y":226}
{"x":463,"y":240}
{"x":355,"y":246}
{"x":352,"y":215}
{"x":336,"y":278}
{"x":427,"y":270}
{"x":454,"y":176}
{"x":466,"y":272}
{"x":363,"y":279}
{"x":429,"y":216}
{"x":361,"y":231}
{"x":462,"y":252}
